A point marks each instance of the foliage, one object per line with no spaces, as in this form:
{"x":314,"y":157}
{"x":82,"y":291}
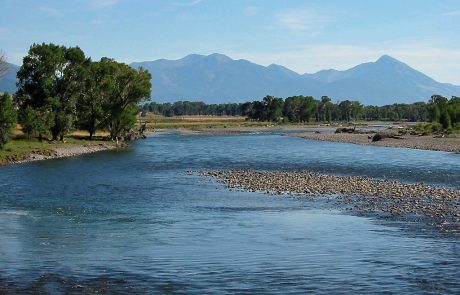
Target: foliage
{"x":50,"y":77}
{"x":60,"y":89}
{"x":37,"y":122}
{"x":124,"y":88}
{"x":7,"y":118}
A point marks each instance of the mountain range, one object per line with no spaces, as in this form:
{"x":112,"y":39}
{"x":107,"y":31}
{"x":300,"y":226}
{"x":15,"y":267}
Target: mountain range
{"x":217,"y":78}
{"x":8,"y":80}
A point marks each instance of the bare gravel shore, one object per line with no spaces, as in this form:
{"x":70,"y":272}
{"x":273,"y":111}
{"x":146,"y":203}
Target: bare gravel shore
{"x":427,"y":142}
{"x":62,"y":152}
{"x":439,"y":207}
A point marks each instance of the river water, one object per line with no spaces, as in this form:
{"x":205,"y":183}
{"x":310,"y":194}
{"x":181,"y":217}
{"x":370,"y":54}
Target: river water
{"x":137,"y":221}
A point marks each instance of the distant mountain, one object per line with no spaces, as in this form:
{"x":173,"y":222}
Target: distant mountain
{"x":8,"y":81}
{"x":217,"y":78}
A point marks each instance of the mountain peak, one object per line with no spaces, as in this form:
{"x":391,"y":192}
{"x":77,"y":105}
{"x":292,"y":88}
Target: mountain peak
{"x":387,"y":59}
{"x":220,"y":57}
{"x":191,"y":57}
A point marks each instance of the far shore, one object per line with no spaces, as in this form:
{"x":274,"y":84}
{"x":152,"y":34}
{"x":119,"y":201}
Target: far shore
{"x":325,"y":132}
{"x":426,"y":142}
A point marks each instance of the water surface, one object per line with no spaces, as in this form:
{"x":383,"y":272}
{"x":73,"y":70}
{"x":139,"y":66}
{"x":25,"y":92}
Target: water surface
{"x":136,"y":221}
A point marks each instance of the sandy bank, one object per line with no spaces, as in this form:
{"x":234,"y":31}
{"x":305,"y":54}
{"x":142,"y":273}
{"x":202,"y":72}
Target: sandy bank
{"x":437,"y":206}
{"x":427,"y":142}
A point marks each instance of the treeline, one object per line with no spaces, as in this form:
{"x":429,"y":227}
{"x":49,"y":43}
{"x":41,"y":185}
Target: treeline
{"x":60,"y":89}
{"x":307,"y":109}
{"x":301,"y":109}
{"x":439,"y":109}
{"x":192,"y":108}
{"x":296,"y":109}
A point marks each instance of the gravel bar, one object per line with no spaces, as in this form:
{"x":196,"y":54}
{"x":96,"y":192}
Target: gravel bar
{"x":437,"y":206}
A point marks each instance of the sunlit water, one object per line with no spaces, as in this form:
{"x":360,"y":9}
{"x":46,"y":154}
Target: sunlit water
{"x":136,"y":221}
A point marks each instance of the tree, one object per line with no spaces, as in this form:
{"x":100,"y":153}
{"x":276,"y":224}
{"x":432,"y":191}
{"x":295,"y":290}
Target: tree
{"x":90,"y":111}
{"x":124,"y":88}
{"x":325,"y":109}
{"x":37,"y":122}
{"x":50,"y":77}
{"x":273,"y":107}
{"x":7,"y":118}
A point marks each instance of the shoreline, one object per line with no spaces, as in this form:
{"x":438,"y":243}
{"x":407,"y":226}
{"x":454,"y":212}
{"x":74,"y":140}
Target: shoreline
{"x":325,"y":132}
{"x":425,"y":142}
{"x":436,"y":206}
{"x":65,"y":152}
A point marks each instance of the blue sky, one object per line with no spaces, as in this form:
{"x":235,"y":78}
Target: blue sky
{"x":305,"y":36}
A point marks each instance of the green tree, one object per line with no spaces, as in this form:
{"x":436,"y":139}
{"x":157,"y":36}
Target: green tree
{"x":454,"y":109}
{"x":8,"y":117}
{"x":95,"y":94}
{"x":50,"y":77}
{"x":273,"y":108}
{"x":37,"y":122}
{"x":124,"y":88}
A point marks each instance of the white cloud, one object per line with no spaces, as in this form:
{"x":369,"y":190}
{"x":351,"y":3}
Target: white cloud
{"x":439,"y":63}
{"x":302,"y":20}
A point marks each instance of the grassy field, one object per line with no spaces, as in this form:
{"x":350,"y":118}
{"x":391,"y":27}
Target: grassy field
{"x":196,"y":122}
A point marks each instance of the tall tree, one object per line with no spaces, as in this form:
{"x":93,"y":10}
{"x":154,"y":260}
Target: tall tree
{"x":7,"y":118}
{"x":95,"y":94}
{"x":124,"y":88}
{"x":50,"y":77}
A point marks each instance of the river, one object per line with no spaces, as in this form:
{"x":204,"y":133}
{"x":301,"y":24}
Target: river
{"x":142,"y":220}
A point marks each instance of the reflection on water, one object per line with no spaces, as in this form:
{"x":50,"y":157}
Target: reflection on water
{"x":136,"y":221}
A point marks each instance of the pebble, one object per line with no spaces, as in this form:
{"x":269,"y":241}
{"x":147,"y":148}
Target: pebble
{"x":440,"y":206}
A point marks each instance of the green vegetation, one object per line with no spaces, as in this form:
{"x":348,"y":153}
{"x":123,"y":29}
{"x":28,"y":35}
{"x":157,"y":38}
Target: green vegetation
{"x":7,"y":118}
{"x":19,"y":149}
{"x":60,"y":90}
{"x":192,"y":108}
{"x":295,"y":109}
{"x":444,"y":113}
{"x":197,"y":122}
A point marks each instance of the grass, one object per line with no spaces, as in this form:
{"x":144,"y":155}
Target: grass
{"x":20,"y":147}
{"x":198,"y":122}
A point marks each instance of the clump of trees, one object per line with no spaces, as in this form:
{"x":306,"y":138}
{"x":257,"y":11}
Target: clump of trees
{"x":439,"y":110}
{"x":297,"y":109}
{"x":7,"y":111}
{"x":60,"y":89}
{"x":7,"y":118}
{"x":302,"y":109}
{"x":445,"y":111}
{"x":190,"y":108}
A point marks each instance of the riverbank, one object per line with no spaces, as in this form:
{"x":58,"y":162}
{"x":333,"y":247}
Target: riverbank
{"x":253,"y":129}
{"x":23,"y":150}
{"x":439,"y":207}
{"x":426,"y":142}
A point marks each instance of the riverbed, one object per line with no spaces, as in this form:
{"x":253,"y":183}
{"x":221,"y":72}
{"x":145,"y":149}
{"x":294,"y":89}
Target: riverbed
{"x":141,"y":220}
